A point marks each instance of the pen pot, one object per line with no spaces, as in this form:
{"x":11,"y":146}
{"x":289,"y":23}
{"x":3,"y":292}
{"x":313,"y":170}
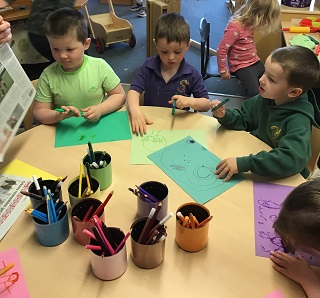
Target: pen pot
{"x":147,"y":256}
{"x":47,"y":183}
{"x":73,"y":189}
{"x":79,"y":210}
{"x":159,"y":191}
{"x":104,"y":173}
{"x":55,"y":233}
{"x":109,"y":267}
{"x":192,"y":240}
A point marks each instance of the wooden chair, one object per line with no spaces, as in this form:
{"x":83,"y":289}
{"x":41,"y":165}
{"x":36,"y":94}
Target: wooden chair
{"x":315,"y":148}
{"x":28,"y":118}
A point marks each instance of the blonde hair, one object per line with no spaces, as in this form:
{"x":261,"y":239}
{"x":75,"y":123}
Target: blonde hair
{"x":259,"y":13}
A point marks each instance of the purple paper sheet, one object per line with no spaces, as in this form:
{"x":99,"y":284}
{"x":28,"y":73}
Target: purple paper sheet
{"x":268,"y":198}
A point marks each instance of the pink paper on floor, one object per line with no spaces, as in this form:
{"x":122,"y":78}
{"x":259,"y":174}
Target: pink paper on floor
{"x":12,"y":283}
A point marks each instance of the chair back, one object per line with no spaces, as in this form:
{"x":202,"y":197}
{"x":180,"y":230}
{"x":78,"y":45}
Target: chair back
{"x":204,"y":46}
{"x":315,"y":149}
{"x":28,"y":118}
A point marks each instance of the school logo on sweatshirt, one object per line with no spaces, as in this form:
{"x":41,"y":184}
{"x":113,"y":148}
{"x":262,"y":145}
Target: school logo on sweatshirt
{"x":275,"y":133}
{"x":183,"y":85}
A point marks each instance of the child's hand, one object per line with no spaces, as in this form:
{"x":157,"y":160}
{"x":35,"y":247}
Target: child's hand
{"x":225,"y":75}
{"x":181,"y":101}
{"x":219,"y":113}
{"x":298,"y":270}
{"x":139,"y":121}
{"x":227,"y":167}
{"x":70,"y":111}
{"x":92,"y":113}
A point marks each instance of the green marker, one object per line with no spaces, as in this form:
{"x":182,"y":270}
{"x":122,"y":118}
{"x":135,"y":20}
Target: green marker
{"x":220,"y":104}
{"x":312,"y":39}
{"x":173,"y":107}
{"x":62,"y":110}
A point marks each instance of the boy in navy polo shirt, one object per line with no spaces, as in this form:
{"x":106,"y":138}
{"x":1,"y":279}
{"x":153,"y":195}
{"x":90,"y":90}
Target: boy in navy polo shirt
{"x":167,"y":77}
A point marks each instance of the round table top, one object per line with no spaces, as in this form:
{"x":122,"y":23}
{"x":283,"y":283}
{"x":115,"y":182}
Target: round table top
{"x":226,"y":267}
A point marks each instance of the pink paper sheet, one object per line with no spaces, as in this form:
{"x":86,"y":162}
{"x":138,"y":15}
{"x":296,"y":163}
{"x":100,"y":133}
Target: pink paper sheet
{"x":12,"y":283}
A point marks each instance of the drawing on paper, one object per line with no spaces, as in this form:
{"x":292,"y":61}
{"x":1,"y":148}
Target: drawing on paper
{"x":268,"y":199}
{"x":154,"y":141}
{"x":192,"y":166}
{"x":7,"y":280}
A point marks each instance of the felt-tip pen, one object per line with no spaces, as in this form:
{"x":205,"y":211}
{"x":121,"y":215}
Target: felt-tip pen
{"x":62,"y":110}
{"x":220,"y":104}
{"x":173,"y":106}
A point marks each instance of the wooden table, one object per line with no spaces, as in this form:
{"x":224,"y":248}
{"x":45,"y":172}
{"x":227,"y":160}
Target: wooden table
{"x":226,"y":268}
{"x":21,"y":9}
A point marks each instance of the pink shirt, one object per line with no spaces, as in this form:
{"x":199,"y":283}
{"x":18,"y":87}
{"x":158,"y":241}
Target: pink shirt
{"x":237,"y":45}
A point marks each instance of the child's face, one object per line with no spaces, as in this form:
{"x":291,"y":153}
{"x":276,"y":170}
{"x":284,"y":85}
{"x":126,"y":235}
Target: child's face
{"x":274,"y":84}
{"x":68,"y":51}
{"x":171,"y":54}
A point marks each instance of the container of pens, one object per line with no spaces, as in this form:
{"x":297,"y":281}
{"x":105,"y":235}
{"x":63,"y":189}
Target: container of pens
{"x":148,"y":238}
{"x":100,"y":167}
{"x":192,"y":226}
{"x":35,"y":190}
{"x":81,"y":218}
{"x":80,"y":188}
{"x":51,"y":222}
{"x":108,"y":253}
{"x":149,"y":195}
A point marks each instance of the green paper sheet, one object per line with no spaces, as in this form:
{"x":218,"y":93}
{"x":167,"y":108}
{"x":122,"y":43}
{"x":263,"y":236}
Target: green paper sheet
{"x":154,"y":140}
{"x":192,"y":167}
{"x":77,"y":131}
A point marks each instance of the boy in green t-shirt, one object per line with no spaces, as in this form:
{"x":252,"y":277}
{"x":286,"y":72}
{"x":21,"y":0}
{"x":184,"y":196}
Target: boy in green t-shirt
{"x":75,"y":82}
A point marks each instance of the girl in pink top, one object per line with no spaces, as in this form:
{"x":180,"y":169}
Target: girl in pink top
{"x":237,"y":45}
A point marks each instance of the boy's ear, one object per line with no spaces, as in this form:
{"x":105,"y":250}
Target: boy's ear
{"x":295,"y":92}
{"x":87,"y":43}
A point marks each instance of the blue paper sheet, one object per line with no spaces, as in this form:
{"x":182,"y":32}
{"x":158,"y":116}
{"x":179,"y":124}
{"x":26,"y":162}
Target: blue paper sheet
{"x":78,"y":131}
{"x":192,"y":167}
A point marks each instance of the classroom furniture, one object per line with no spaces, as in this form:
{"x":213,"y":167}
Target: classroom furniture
{"x":208,"y":58}
{"x":108,"y":28}
{"x":28,"y":118}
{"x":226,"y":268}
{"x":121,"y":2}
{"x":155,"y":8}
{"x":21,"y":9}
{"x":315,"y":147}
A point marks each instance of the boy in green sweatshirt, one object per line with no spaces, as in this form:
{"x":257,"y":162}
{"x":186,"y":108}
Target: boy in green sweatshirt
{"x":282,"y":116}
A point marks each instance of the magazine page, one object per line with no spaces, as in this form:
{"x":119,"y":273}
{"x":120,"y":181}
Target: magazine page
{"x":16,"y":96}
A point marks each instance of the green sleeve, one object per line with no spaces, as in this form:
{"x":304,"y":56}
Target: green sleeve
{"x":243,"y":119}
{"x":289,"y":158}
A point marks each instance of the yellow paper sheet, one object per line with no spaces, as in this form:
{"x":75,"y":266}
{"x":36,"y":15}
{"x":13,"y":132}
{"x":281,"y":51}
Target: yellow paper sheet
{"x":20,"y":168}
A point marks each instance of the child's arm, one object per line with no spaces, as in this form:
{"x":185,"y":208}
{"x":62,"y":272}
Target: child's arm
{"x":116,"y":99}
{"x":298,"y":270}
{"x":229,"y":38}
{"x":42,"y":112}
{"x":198,"y":104}
{"x":138,"y":120}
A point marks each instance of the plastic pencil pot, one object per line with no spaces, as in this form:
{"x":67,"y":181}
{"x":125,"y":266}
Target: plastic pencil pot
{"x":81,"y":213}
{"x":73,"y":189}
{"x":55,"y":233}
{"x":192,"y":238}
{"x":104,"y":171}
{"x":157,"y":190}
{"x":147,"y":256}
{"x":47,"y":183}
{"x":106,"y":266}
